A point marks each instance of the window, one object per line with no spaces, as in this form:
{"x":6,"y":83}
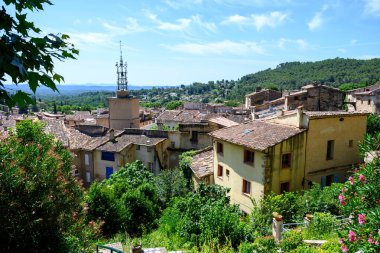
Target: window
{"x":329,"y":180}
{"x":286,"y":160}
{"x":284,"y":187}
{"x":219,"y":148}
{"x":227,"y":173}
{"x":330,"y":150}
{"x":137,"y":147}
{"x":351,"y":143}
{"x":249,"y":157}
{"x":246,"y":187}
{"x":86,"y":159}
{"x":88,"y":177}
{"x":172,"y":144}
{"x":149,"y":149}
{"x":194,"y":136}
{"x":220,"y":170}
{"x":369,"y":102}
{"x":150,"y":166}
{"x":108,"y":156}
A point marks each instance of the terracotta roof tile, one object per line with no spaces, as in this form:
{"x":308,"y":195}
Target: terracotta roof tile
{"x":257,"y":135}
{"x":202,"y":163}
{"x":330,"y":114}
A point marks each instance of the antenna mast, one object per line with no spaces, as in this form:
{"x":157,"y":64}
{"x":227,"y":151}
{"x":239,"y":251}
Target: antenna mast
{"x":121,"y":69}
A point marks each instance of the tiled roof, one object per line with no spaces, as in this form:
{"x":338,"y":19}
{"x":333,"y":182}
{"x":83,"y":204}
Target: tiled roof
{"x":57,"y":128}
{"x":370,"y":92}
{"x":257,"y":135}
{"x":202,"y":163}
{"x":331,"y":114}
{"x":223,"y":121}
{"x":125,"y":140}
{"x":183,"y":116}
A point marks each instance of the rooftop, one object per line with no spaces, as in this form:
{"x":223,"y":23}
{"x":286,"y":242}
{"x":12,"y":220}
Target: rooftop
{"x":202,"y":163}
{"x":331,"y":114}
{"x":125,"y":140}
{"x":257,"y":135}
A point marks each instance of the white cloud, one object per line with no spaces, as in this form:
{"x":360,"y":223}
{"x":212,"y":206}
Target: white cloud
{"x":300,"y":43}
{"x":183,"y":3}
{"x":182,"y":24}
{"x":131,"y":26}
{"x":372,"y":7}
{"x":342,"y":50}
{"x":221,"y":47}
{"x":318,"y":19}
{"x":87,"y":39}
{"x":272,"y":19}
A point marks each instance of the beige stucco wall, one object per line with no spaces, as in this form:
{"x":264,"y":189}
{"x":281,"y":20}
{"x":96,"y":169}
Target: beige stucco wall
{"x":103,"y":122}
{"x":322,"y":130}
{"x":293,"y":175}
{"x":366,"y":104}
{"x":124,"y":113}
{"x":233,"y":160}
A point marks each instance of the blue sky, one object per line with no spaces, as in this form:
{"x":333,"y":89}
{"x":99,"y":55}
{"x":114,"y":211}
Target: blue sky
{"x":167,"y":42}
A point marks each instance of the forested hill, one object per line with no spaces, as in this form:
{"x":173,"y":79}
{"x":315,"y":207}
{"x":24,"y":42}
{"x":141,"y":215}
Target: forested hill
{"x":292,"y":75}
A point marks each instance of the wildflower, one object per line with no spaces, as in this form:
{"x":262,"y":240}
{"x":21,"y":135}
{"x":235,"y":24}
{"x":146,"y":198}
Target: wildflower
{"x":341,"y":199}
{"x":341,"y":241}
{"x":343,"y":248}
{"x":351,"y":236}
{"x":351,"y":179}
{"x":361,"y":218}
{"x":362,"y":178}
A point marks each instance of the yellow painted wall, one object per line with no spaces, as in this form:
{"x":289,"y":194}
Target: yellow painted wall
{"x":322,"y":130}
{"x":233,"y":160}
{"x":294,"y":175}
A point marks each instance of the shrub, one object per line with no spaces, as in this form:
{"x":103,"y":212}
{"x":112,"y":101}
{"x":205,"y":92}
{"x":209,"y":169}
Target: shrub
{"x":291,"y":240}
{"x":264,"y":244}
{"x":360,"y":199}
{"x":322,"y":226}
{"x":246,"y":247}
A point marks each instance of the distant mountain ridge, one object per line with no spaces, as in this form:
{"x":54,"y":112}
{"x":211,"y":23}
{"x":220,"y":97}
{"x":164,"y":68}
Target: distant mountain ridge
{"x":72,"y":89}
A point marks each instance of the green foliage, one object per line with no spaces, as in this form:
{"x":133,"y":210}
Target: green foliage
{"x":40,"y":201}
{"x":351,"y":86}
{"x":331,"y":246}
{"x":184,"y":165}
{"x":321,"y":227}
{"x":126,"y":202}
{"x":373,"y":124}
{"x":231,"y":103}
{"x":332,"y":72}
{"x":151,"y":104}
{"x":360,"y":198}
{"x":291,"y":240}
{"x":319,"y":199}
{"x":203,"y":216}
{"x":264,"y":244}
{"x":26,"y":56}
{"x":172,"y":105}
{"x":171,"y":183}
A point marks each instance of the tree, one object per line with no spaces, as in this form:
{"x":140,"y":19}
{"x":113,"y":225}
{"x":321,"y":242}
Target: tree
{"x":27,"y":56}
{"x":40,"y":201}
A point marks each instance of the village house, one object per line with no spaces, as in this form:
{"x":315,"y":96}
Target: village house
{"x":261,"y":96}
{"x":365,"y":99}
{"x":202,"y":167}
{"x":286,"y":153}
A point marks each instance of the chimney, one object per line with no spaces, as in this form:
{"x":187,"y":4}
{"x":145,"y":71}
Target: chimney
{"x":112,"y":135}
{"x":300,"y":117}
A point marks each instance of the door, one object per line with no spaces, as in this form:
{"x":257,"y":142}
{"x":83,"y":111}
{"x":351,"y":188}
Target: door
{"x":109,"y":171}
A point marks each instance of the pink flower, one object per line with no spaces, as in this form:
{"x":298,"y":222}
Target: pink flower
{"x":351,"y":236}
{"x":341,"y":241}
{"x":344,"y":190}
{"x":361,"y":218}
{"x":370,"y":239}
{"x":341,"y":199}
{"x":351,"y":179}
{"x":343,"y":248}
{"x":362,"y":178}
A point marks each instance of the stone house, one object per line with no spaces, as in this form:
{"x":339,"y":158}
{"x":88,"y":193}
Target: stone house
{"x":260,"y":97}
{"x":367,"y":101}
{"x":315,"y":98}
{"x":286,"y":153}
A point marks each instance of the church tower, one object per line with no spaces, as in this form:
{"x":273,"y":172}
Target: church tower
{"x":123,"y":109}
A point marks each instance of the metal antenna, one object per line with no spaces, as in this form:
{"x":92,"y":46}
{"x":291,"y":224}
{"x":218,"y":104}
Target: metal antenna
{"x":122,"y":81}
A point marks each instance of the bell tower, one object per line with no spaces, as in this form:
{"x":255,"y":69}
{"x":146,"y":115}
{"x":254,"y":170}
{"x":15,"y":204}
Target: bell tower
{"x":123,"y":109}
